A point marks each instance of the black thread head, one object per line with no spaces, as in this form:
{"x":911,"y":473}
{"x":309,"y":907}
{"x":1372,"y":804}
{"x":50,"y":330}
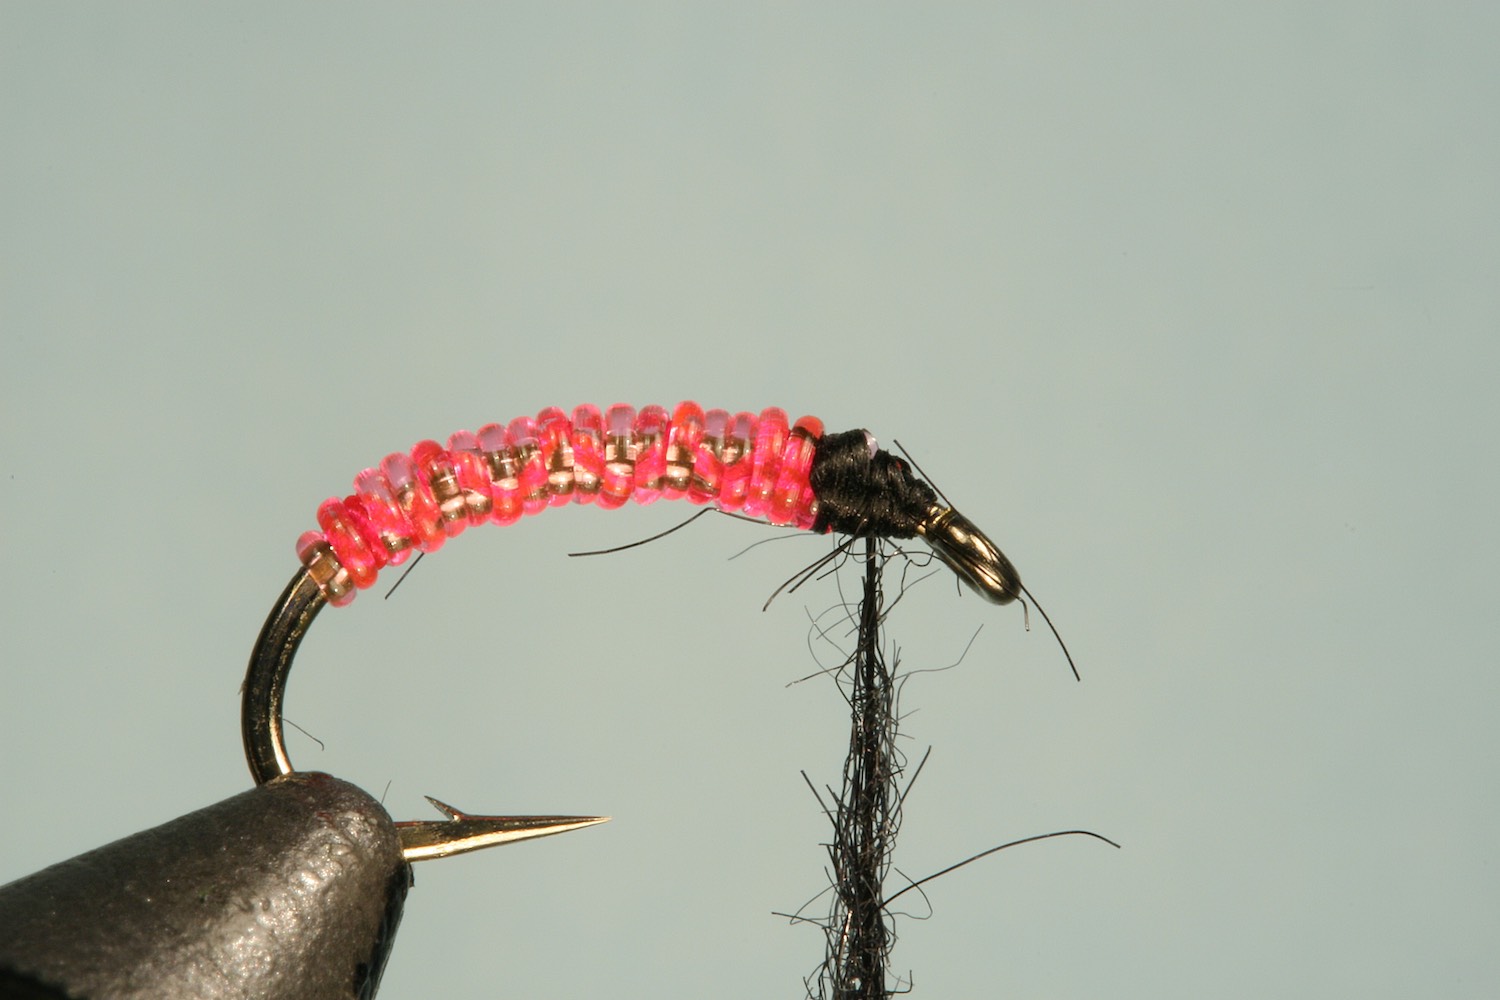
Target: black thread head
{"x":863,"y":490}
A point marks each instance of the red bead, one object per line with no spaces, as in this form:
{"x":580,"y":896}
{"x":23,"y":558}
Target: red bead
{"x":811,"y":426}
{"x":770,"y":441}
{"x":588,"y":452}
{"x":555,"y":438}
{"x":651,"y":425}
{"x":504,"y":473}
{"x":342,"y":533}
{"x":683,"y":435}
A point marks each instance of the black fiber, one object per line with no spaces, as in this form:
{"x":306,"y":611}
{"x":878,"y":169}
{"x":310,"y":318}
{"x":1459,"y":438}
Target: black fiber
{"x":861,"y":494}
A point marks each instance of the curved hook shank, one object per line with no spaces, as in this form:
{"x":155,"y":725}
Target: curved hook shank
{"x":265,"y":681}
{"x":260,"y":727}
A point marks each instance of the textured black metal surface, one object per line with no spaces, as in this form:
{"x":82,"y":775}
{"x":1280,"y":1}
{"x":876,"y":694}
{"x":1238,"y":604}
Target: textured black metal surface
{"x":292,"y":889}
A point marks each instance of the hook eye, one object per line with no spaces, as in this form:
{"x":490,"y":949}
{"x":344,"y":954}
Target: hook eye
{"x":265,"y":749}
{"x":965,"y":549}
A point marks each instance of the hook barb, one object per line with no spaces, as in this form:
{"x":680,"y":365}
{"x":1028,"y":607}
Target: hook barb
{"x":423,"y":840}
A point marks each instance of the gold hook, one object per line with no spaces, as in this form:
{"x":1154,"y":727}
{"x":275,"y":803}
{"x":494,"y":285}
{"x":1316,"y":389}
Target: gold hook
{"x":969,"y":553}
{"x":260,"y":726}
{"x":979,"y":562}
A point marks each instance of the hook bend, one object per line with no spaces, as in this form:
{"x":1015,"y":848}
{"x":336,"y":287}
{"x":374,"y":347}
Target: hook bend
{"x":265,"y":750}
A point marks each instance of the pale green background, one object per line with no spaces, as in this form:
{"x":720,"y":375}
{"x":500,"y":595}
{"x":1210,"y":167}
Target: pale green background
{"x":1193,"y":307}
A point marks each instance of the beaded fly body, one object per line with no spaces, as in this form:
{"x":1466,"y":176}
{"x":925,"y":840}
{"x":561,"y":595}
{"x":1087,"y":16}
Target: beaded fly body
{"x":761,"y":466}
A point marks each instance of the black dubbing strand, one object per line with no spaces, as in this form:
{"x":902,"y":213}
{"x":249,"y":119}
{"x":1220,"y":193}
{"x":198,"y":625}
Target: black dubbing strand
{"x":863,"y":494}
{"x":868,"y":814}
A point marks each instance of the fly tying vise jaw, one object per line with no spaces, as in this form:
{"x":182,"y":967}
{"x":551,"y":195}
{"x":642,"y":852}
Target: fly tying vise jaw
{"x":762,"y":466}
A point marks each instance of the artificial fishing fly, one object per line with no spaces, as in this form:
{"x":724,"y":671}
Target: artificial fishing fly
{"x":761,"y":466}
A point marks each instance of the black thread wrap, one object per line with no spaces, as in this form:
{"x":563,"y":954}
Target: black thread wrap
{"x":863,"y":494}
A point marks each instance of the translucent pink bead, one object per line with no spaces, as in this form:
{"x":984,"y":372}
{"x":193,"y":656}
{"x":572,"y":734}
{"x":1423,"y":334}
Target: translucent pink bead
{"x":415,"y":501}
{"x":796,"y":463}
{"x":473,"y":476}
{"x":500,"y":464}
{"x":739,"y":459}
{"x":533,"y":474}
{"x":619,"y":420}
{"x":715,"y":429}
{"x":650,"y":453}
{"x":708,"y":466}
{"x":393,"y":532}
{"x":437,"y":473}
{"x":807,"y":506}
{"x":588,"y":452}
{"x":555,"y":438}
{"x":618,"y":480}
{"x":683,"y":435}
{"x":354,"y":509}
{"x":343,"y":534}
{"x":770,"y":441}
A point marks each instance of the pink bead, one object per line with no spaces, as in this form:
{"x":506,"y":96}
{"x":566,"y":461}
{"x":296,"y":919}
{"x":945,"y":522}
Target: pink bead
{"x":355,"y":510}
{"x":683,"y":435}
{"x":504,"y":473}
{"x":307,"y":544}
{"x":393,"y":532}
{"x":437,"y":473}
{"x":796,"y":463}
{"x":415,"y":501}
{"x":618,"y":481}
{"x":473,"y":476}
{"x":588,"y":452}
{"x":770,"y":441}
{"x":343,"y":534}
{"x":619,"y":420}
{"x":708,"y":466}
{"x":651,"y":425}
{"x":533,"y":474}
{"x":739,"y":459}
{"x":715,"y":429}
{"x":555,"y":438}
